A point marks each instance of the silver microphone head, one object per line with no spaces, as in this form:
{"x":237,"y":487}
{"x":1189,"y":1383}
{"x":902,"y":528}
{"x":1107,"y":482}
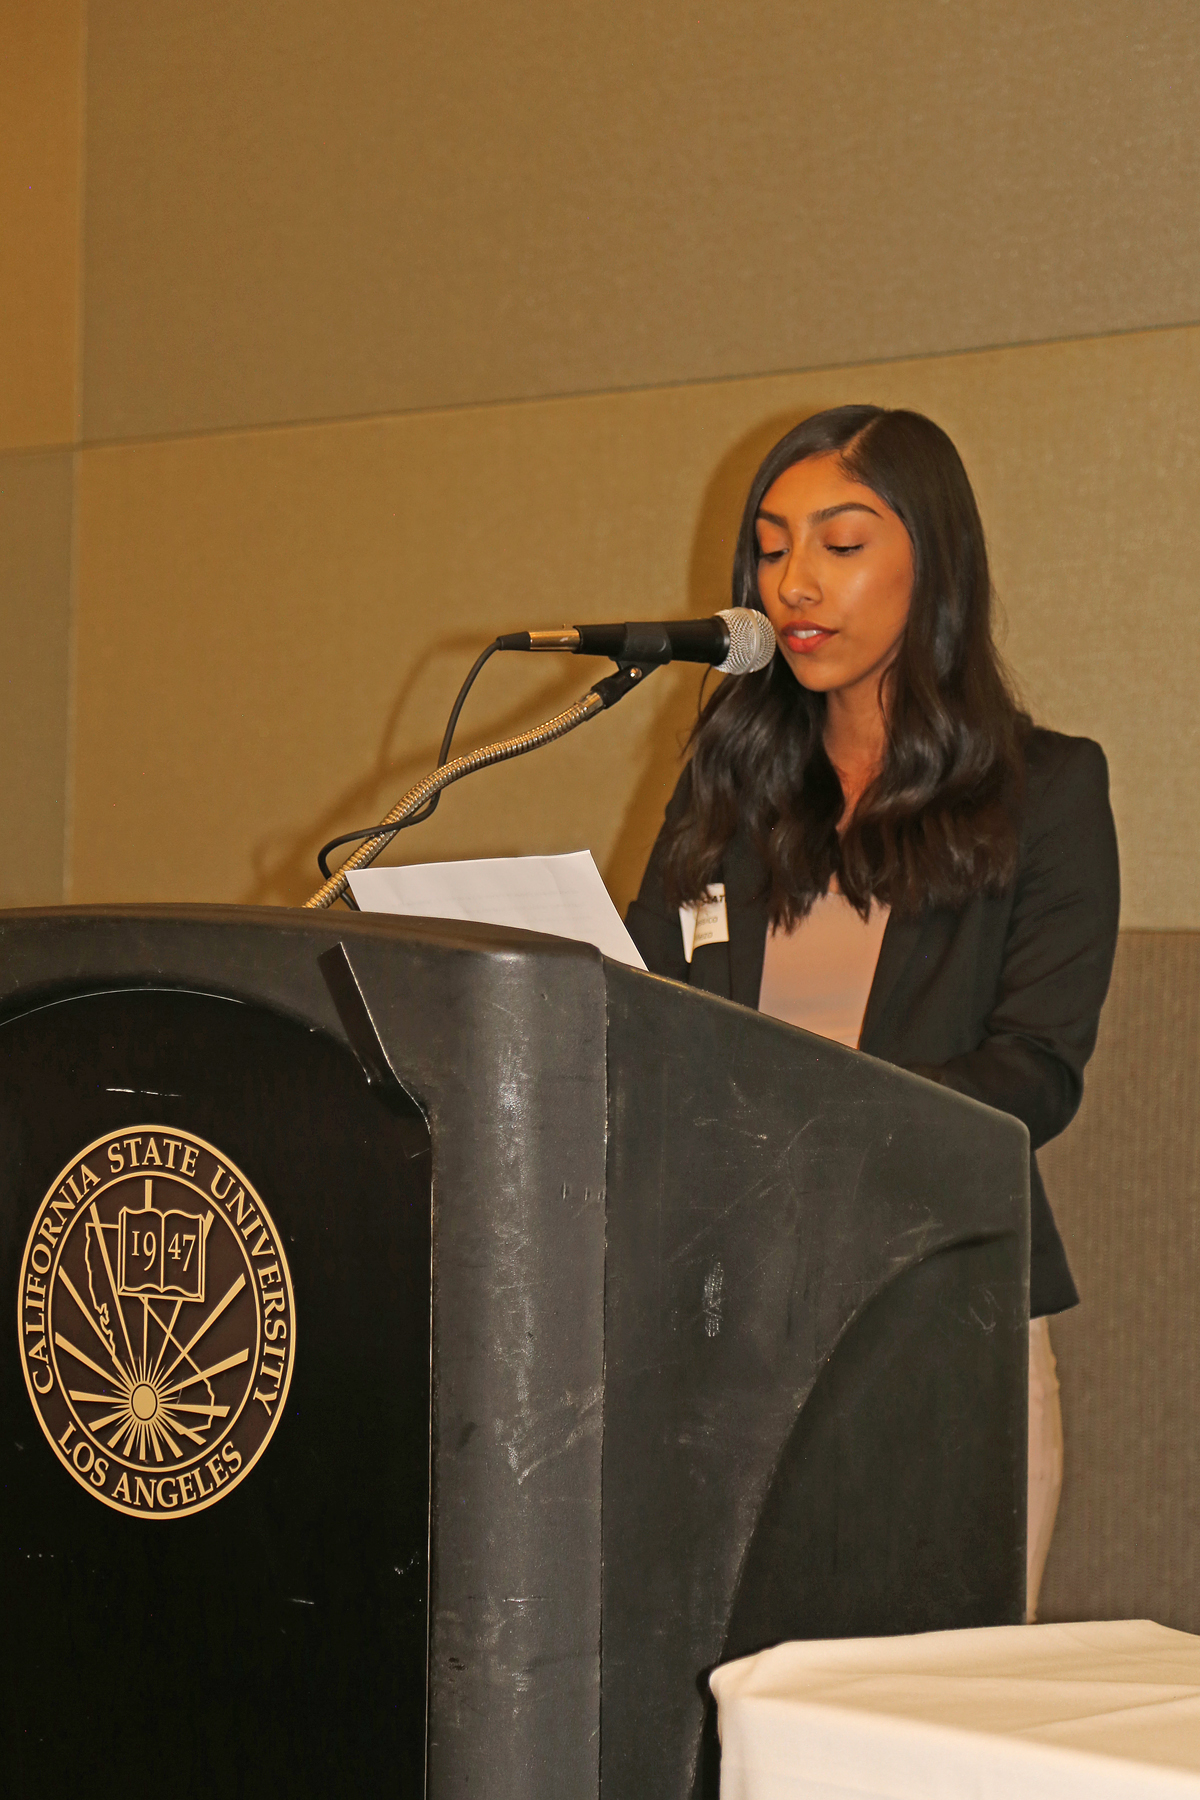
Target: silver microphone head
{"x":751,"y":641}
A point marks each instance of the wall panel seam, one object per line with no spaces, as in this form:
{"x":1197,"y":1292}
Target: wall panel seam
{"x":566,"y":396}
{"x":69,"y":711}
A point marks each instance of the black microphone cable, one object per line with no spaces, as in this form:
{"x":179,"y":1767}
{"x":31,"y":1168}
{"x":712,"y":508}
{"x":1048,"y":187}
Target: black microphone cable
{"x":737,"y":641}
{"x":353,"y":837}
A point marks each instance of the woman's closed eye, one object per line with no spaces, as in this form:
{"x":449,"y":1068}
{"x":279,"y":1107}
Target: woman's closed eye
{"x":843,"y":549}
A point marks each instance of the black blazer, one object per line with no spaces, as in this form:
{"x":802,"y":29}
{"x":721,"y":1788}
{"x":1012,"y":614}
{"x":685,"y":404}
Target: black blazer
{"x":999,"y":1000}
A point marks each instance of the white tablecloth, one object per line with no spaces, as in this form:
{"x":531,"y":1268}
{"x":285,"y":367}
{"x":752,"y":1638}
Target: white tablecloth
{"x":1027,"y":1712}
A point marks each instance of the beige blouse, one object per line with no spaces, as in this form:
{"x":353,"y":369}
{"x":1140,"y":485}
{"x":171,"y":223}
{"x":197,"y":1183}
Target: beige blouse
{"x":819,"y":974}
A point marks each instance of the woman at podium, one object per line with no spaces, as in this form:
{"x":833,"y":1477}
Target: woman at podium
{"x":872,"y":840}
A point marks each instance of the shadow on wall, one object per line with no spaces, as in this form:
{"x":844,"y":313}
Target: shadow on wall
{"x":285,"y":862}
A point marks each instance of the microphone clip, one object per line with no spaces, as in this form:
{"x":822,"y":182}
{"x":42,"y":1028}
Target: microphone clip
{"x":615,"y":687}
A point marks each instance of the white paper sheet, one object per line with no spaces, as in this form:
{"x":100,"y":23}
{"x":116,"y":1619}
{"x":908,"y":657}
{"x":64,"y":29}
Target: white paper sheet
{"x":561,"y":895}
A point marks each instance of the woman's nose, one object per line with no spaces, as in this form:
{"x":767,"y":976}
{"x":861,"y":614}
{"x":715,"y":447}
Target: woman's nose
{"x":797,"y":580}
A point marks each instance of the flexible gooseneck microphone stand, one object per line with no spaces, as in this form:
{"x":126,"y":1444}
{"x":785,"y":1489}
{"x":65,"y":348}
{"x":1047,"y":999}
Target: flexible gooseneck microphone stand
{"x":604,"y":694}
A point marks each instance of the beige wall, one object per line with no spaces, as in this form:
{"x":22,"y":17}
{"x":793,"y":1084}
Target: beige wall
{"x":298,"y":210}
{"x":41,"y":132}
{"x":272,"y":624}
{"x":35,"y":622}
{"x":337,"y":264}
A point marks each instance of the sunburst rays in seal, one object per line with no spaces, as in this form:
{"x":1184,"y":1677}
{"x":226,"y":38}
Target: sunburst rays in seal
{"x":142,"y":1400}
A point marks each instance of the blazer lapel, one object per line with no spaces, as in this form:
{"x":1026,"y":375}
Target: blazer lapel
{"x":900,"y":939}
{"x":734,"y":969}
{"x":749,"y":915}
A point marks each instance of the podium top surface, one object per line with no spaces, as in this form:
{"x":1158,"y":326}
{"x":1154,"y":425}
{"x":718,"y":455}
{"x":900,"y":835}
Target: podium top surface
{"x":19,"y":925}
{"x":270,"y":954}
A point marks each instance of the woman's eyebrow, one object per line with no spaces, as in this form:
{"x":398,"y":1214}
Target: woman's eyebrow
{"x":831,"y":512}
{"x":826,"y":513}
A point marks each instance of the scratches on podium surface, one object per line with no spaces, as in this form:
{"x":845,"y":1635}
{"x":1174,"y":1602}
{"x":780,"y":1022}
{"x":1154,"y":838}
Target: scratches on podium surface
{"x":532,"y":1443}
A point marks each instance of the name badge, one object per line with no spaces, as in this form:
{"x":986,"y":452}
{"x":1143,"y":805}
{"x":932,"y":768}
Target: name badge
{"x":704,"y":921}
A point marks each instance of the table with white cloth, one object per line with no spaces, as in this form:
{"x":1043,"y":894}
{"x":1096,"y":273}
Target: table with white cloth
{"x":1110,"y":1710}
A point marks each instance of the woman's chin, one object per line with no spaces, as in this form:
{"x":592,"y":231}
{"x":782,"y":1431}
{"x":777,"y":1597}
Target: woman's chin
{"x":811,"y":674}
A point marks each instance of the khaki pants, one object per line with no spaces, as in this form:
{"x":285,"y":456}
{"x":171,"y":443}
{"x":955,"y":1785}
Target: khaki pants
{"x":1045,"y":1458}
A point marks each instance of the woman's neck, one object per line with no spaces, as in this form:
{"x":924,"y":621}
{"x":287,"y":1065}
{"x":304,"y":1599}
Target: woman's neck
{"x":855,"y":739}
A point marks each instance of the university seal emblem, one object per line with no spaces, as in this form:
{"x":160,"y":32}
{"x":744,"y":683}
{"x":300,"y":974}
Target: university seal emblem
{"x":156,"y":1322}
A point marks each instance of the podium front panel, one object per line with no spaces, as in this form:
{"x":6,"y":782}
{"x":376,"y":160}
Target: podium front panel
{"x":437,"y":1346}
{"x":190,"y":1620}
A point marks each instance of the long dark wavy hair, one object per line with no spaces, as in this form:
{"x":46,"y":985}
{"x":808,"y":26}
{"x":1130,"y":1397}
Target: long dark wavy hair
{"x":939,"y":822}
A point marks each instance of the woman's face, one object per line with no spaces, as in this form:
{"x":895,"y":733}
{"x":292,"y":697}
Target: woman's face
{"x":835,"y":575}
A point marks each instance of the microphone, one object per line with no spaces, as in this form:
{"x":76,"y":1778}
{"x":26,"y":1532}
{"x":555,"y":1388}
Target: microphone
{"x":735,"y":642}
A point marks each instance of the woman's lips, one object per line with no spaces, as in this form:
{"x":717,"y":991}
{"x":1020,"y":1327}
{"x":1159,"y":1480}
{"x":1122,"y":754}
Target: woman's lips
{"x":804,"y":639}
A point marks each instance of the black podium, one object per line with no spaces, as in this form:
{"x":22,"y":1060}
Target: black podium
{"x":432,"y":1347}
